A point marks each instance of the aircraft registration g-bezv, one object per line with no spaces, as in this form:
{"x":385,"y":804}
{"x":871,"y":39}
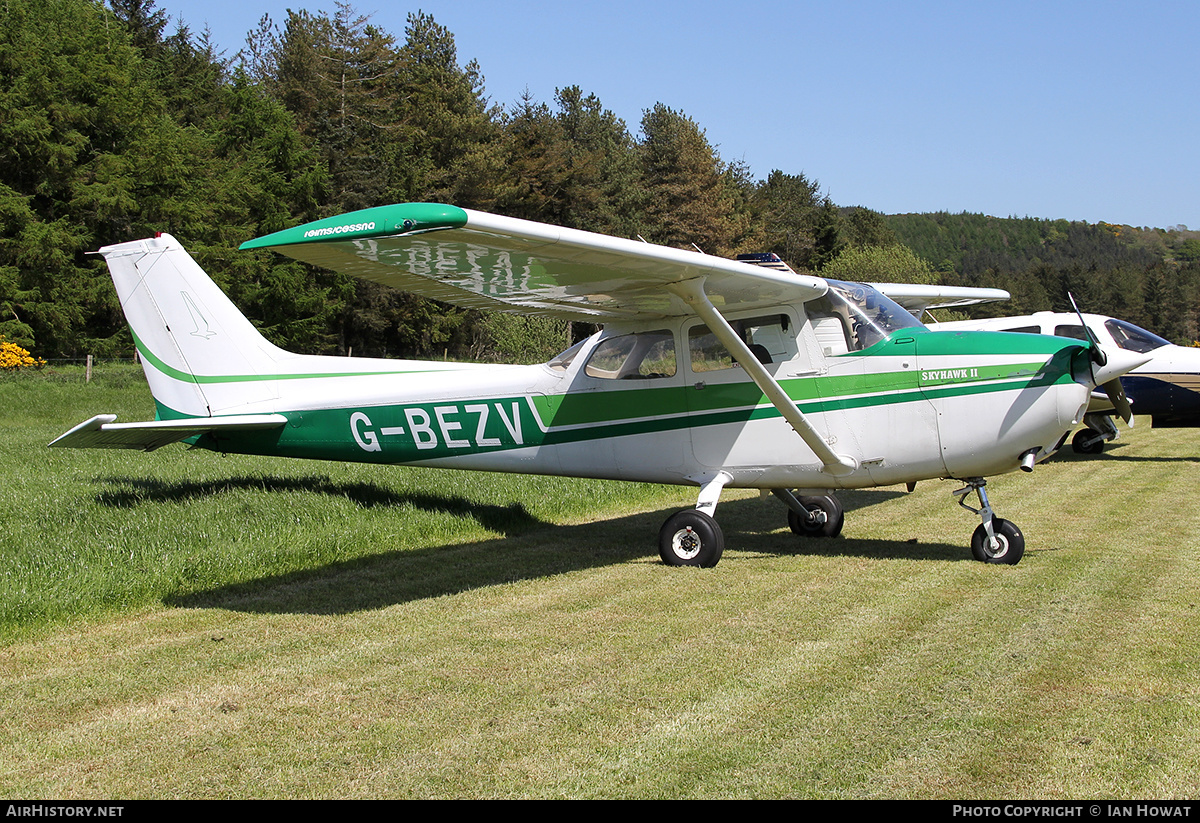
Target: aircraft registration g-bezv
{"x":707,"y":372}
{"x":1166,"y":387}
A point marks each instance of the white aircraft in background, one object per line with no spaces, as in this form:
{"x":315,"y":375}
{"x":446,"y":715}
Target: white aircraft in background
{"x":708,"y":372}
{"x":1166,"y":387}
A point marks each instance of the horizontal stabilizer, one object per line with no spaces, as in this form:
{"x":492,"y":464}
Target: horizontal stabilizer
{"x":102,"y":433}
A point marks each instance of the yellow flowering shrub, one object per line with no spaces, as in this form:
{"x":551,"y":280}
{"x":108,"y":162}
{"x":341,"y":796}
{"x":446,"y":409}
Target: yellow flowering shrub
{"x":13,"y":357}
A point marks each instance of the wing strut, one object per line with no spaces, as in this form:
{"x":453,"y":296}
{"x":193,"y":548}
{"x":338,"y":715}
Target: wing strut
{"x":692,"y":292}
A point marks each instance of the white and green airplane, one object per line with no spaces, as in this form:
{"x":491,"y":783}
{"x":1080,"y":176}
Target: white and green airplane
{"x":707,"y":372}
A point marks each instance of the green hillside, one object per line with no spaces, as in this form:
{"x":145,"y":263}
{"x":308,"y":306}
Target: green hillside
{"x":1147,"y":276}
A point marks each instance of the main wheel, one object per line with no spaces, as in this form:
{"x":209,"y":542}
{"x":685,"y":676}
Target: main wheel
{"x":1011,"y":543}
{"x":691,"y":538}
{"x":828,"y":526}
{"x":1082,"y":444}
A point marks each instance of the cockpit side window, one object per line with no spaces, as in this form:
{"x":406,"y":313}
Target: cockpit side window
{"x":832,"y":331}
{"x":644,"y":355}
{"x":1075,"y":331}
{"x":770,"y":338}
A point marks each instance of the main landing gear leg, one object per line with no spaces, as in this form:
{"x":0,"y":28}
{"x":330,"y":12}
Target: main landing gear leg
{"x":692,"y":537}
{"x":995,"y":540}
{"x":813,"y":515}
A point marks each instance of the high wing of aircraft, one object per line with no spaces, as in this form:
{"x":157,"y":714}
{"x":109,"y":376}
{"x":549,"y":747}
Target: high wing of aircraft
{"x":1166,"y":387}
{"x":707,"y":372}
{"x":919,"y":299}
{"x":916,"y":298}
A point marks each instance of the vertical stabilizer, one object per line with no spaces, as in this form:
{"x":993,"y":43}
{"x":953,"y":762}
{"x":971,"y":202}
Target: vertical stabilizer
{"x":202,"y":357}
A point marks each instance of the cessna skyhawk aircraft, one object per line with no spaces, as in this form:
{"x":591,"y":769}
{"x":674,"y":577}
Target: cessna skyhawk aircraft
{"x":708,"y":372}
{"x":1166,"y":387}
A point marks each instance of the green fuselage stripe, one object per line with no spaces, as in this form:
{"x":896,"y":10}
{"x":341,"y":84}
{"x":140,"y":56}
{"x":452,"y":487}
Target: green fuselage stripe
{"x":332,"y":434}
{"x":811,"y":394}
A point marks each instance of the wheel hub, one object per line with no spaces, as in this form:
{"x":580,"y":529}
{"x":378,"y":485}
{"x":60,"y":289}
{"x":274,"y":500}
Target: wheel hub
{"x":686,"y":543}
{"x":999,"y":549}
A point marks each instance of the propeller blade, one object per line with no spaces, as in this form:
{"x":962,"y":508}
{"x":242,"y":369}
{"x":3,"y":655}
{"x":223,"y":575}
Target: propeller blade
{"x":1097,"y":354}
{"x":1116,"y":396}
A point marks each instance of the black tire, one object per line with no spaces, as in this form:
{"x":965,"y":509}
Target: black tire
{"x":1012,"y":543}
{"x":1081,"y":445}
{"x":691,"y":538}
{"x":835,"y":517}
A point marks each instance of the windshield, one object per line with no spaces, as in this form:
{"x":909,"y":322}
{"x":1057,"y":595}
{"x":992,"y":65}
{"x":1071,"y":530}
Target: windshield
{"x":1133,"y":338}
{"x":866,"y":316}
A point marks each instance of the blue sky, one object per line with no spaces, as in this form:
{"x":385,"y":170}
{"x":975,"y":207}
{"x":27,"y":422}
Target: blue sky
{"x":1077,"y":110}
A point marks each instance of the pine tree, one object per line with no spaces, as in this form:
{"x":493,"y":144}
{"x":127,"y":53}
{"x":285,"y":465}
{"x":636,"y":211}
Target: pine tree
{"x":604,"y":191}
{"x":690,"y":199}
{"x":450,"y":147}
{"x":789,"y":210}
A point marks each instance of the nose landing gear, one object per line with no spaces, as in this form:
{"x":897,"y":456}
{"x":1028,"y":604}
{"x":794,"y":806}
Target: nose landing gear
{"x":995,"y":540}
{"x":1100,"y":429}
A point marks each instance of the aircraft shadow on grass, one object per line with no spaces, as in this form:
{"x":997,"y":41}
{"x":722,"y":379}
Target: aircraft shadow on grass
{"x":1113,"y":451}
{"x":132,"y":491}
{"x":530,"y":548}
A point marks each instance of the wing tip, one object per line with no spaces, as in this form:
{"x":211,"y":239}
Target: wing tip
{"x":380,"y":221}
{"x":91,"y":425}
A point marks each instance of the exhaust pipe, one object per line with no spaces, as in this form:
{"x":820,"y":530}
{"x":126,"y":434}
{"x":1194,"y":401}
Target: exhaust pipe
{"x":1027,"y":460}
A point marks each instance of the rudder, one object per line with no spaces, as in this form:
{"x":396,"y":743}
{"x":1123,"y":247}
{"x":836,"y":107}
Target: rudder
{"x":202,"y":357}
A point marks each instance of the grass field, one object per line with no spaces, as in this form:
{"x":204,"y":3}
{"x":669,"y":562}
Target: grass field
{"x":181,"y":624}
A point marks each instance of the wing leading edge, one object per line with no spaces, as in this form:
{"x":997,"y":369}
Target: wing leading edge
{"x":919,"y":298}
{"x":487,"y":261}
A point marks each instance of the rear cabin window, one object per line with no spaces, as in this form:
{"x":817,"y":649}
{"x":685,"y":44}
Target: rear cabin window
{"x":564,"y":360}
{"x":641,"y":356}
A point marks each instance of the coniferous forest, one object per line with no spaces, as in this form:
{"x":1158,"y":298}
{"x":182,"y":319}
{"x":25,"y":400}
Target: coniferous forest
{"x":113,"y":127}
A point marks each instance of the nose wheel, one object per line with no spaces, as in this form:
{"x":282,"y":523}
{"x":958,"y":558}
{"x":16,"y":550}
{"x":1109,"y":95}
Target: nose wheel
{"x":1008,"y":546}
{"x":995,"y":540}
